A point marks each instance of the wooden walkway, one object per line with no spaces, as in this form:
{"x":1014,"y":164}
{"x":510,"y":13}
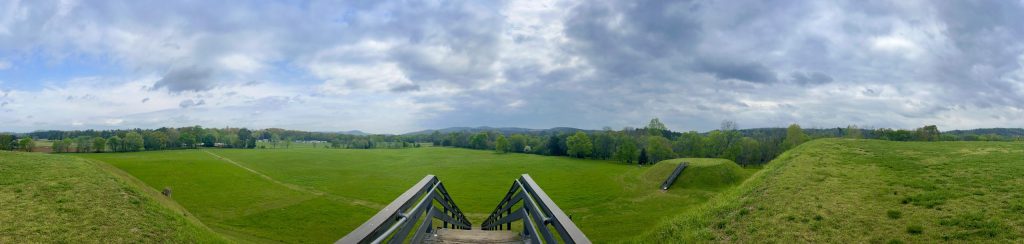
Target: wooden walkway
{"x":456,"y":236}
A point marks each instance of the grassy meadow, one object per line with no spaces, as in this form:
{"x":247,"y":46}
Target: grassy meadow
{"x":306,"y":194}
{"x":61,"y":199}
{"x":868,"y":191}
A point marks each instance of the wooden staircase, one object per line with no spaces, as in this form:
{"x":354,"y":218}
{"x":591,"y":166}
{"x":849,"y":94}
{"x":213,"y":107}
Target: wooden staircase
{"x":456,"y":236}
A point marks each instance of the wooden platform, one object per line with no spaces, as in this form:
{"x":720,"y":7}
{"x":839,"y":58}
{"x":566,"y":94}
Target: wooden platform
{"x":453,"y":236}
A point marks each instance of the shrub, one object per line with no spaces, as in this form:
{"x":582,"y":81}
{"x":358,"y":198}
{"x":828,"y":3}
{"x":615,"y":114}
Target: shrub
{"x":915,"y":229}
{"x":894,"y":214}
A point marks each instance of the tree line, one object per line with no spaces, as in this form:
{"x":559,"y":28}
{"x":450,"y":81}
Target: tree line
{"x":650,"y":144}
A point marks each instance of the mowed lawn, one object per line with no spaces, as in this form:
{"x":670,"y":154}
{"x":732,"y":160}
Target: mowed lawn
{"x":319,"y":195}
{"x":868,"y":191}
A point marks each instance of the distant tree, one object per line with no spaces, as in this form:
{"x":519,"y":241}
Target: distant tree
{"x":245,"y":139}
{"x":209,"y":140}
{"x":626,"y":151}
{"x":99,"y":144}
{"x":57,"y":147}
{"x":689,"y":144}
{"x":750,"y":152}
{"x":5,"y":141}
{"x":715,"y":143}
{"x":275,"y":140}
{"x":554,"y":146}
{"x":794,"y":136}
{"x":83,"y":144}
{"x":853,"y":132}
{"x":658,"y":148}
{"x":133,"y":141}
{"x":154,"y":140}
{"x":188,"y":139}
{"x":114,"y":143}
{"x":579,"y":145}
{"x":604,"y":145}
{"x":67,"y":142}
{"x":518,"y":143}
{"x":479,"y":140}
{"x":729,"y":125}
{"x":655,"y":127}
{"x":643,"y":157}
{"x":26,"y":144}
{"x":501,"y":145}
{"x":931,"y":133}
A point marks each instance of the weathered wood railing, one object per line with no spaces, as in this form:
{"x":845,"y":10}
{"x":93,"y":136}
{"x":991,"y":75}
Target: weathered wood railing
{"x":394,"y":223}
{"x":538,"y":213}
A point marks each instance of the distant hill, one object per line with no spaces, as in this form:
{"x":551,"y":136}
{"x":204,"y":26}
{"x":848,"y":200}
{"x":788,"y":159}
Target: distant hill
{"x":503,"y":130}
{"x":347,"y":132}
{"x":1009,"y":132}
{"x":354,"y":133}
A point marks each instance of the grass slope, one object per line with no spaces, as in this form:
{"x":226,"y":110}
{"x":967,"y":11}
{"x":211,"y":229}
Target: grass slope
{"x":52,"y":198}
{"x":319,"y":195}
{"x":867,"y":191}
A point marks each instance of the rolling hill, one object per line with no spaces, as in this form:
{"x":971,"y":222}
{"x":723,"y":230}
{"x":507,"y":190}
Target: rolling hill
{"x":59,"y":199}
{"x":868,"y":191}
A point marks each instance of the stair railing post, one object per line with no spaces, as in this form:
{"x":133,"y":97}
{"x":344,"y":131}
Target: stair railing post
{"x":446,"y":213}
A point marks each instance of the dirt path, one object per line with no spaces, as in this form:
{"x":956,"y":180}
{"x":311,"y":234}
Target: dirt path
{"x":359,"y":202}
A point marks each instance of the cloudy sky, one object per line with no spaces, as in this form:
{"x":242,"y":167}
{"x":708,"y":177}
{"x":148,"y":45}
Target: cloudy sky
{"x":400,"y":66}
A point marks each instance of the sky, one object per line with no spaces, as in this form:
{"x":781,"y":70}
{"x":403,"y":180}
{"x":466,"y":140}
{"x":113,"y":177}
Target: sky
{"x":401,"y":66}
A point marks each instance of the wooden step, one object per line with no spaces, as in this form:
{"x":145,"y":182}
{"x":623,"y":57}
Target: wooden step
{"x":454,"y":236}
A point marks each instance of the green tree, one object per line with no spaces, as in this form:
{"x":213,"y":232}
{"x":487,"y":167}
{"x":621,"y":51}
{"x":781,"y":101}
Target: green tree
{"x":931,"y":133}
{"x":245,"y":139}
{"x":643,"y":157}
{"x":83,"y":144}
{"x":655,"y":127}
{"x":501,"y":144}
{"x":26,"y":144}
{"x":67,"y":144}
{"x":853,"y":132}
{"x":518,"y":142}
{"x":133,"y":141}
{"x":689,"y":144}
{"x":604,"y":145}
{"x":658,"y":148}
{"x":154,"y":140}
{"x":579,"y":145}
{"x":210,"y":139}
{"x":750,"y":152}
{"x":114,"y":143}
{"x":794,"y":136}
{"x":478,"y":141}
{"x":58,"y":146}
{"x":99,"y":144}
{"x":6,"y":141}
{"x":626,"y":151}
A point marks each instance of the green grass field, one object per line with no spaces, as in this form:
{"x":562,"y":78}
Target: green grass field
{"x":867,"y":191}
{"x":309,"y":194}
{"x":828,"y":190}
{"x":60,"y":199}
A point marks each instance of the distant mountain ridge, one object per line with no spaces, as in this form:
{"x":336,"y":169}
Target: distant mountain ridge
{"x":503,"y":130}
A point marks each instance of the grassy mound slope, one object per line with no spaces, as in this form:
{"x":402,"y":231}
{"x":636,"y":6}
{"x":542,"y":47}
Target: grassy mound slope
{"x":703,"y":173}
{"x":866,"y":191}
{"x":51,"y":198}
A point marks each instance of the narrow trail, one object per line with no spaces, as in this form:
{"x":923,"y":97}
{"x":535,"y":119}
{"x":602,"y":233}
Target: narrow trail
{"x":359,"y":202}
